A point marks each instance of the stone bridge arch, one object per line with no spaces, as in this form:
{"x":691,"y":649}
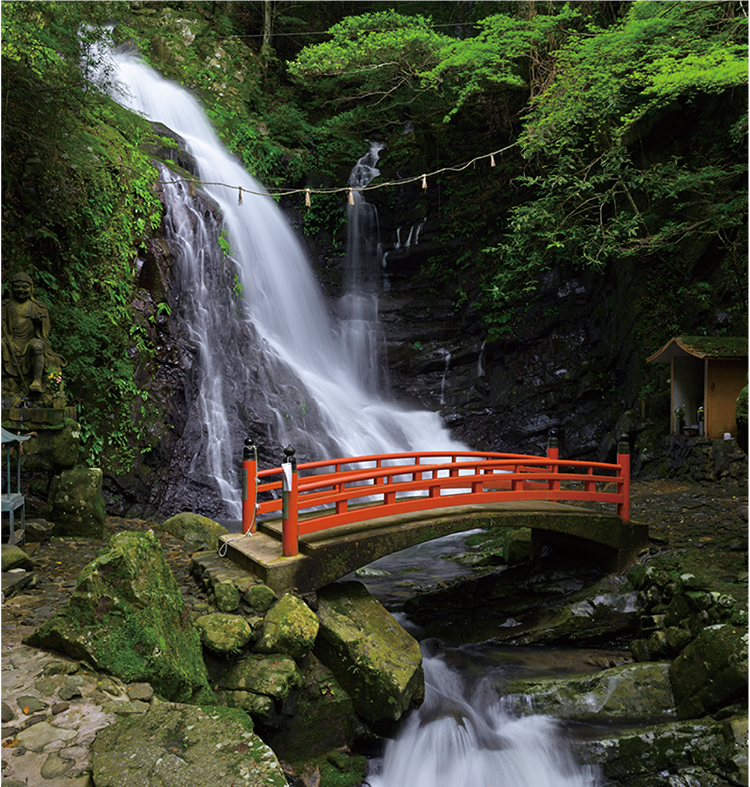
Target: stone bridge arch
{"x":328,"y":555}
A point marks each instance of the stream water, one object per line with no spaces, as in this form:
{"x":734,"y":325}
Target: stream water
{"x":463,"y":735}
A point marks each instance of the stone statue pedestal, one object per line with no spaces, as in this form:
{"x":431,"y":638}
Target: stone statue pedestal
{"x":34,"y":418}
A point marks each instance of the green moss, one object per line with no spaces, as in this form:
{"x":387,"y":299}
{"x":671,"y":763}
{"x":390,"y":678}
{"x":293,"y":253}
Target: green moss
{"x":126,"y":615}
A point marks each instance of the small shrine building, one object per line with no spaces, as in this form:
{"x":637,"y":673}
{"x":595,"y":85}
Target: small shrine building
{"x":708,"y":372}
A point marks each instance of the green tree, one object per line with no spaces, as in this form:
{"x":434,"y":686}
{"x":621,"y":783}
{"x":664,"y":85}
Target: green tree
{"x":607,"y":176}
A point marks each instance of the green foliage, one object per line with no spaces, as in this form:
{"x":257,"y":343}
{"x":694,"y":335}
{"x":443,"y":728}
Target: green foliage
{"x":78,"y":202}
{"x":607,"y":81}
{"x":371,"y":68}
{"x":326,"y":214}
{"x":602,"y":184}
{"x":509,"y":53}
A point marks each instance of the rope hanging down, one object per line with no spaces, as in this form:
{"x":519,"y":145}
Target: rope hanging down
{"x":273,"y":191}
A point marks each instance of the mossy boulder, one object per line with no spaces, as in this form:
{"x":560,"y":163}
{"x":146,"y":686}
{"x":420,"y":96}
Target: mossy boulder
{"x":199,"y":532}
{"x":272,"y":674}
{"x":685,"y":752}
{"x":711,"y":671}
{"x":290,"y":626}
{"x":631,"y":690}
{"x":76,"y":504}
{"x":263,"y":685}
{"x":224,"y":633}
{"x":373,"y":658}
{"x":126,"y":616}
{"x":186,"y":746}
{"x":259,"y":597}
{"x":517,"y":546}
{"x":14,"y":557}
{"x":324,"y":718}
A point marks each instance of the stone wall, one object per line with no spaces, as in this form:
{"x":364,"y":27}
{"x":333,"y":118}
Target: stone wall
{"x":695,"y":459}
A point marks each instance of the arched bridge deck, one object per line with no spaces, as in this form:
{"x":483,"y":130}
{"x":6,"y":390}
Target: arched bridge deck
{"x":338,"y":515}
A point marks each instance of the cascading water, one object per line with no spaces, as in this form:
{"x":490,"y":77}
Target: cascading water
{"x":314,"y":394}
{"x":465,"y":738}
{"x":359,"y":306}
{"x":466,"y":733}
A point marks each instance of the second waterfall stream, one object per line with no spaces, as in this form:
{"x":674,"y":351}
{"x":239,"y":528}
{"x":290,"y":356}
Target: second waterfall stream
{"x":306,"y":356}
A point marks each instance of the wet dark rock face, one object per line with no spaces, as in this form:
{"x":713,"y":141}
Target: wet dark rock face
{"x":507,"y":396}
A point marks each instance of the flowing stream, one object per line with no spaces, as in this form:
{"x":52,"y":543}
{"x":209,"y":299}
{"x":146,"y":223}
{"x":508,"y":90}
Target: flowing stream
{"x":315,"y":377}
{"x":464,"y":734}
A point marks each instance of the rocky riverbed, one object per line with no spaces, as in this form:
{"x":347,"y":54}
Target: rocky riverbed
{"x":54,"y":707}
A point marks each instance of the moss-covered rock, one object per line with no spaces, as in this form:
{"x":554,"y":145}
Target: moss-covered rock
{"x":225,"y":596}
{"x":15,"y":557}
{"x":700,"y":751}
{"x":186,"y":746}
{"x":224,"y":633}
{"x":272,"y":674}
{"x":200,"y":532}
{"x":127,"y":616}
{"x":375,"y":660}
{"x":290,"y":626}
{"x":324,"y":719}
{"x":259,"y":597}
{"x":76,"y":503}
{"x":263,"y":685}
{"x":711,"y":671}
{"x":632,"y":690}
{"x":517,"y":546}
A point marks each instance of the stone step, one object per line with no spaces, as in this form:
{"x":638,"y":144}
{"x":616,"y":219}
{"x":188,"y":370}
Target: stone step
{"x":262,"y":555}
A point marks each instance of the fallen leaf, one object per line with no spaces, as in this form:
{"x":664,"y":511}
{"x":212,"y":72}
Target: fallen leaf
{"x":10,"y":744}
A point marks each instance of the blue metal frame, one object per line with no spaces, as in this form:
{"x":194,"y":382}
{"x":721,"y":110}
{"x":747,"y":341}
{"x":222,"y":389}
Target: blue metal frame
{"x":13,"y":499}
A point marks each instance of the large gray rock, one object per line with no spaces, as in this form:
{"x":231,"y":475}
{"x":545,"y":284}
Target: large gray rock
{"x":14,"y":557}
{"x":705,"y":752}
{"x":76,"y":503}
{"x":127,"y":616}
{"x":186,"y":746}
{"x":290,"y":627}
{"x":373,"y":658}
{"x":629,"y":691}
{"x":711,"y":671}
{"x":200,"y":532}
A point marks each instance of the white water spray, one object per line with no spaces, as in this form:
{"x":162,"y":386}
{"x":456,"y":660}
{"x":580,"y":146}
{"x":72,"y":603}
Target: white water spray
{"x":283,"y":304}
{"x":464,"y":738}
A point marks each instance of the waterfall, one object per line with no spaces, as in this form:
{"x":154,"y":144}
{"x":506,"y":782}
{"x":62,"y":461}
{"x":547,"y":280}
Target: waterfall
{"x":315,"y":391}
{"x":462,"y":737}
{"x":360,"y":326}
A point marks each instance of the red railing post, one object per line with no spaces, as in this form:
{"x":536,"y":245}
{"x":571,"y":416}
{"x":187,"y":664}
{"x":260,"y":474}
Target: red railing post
{"x":289,"y":514}
{"x":249,"y":485}
{"x":623,"y":459}
{"x":553,"y":453}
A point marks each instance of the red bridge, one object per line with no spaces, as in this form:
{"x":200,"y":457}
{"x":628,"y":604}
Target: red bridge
{"x":344,"y":513}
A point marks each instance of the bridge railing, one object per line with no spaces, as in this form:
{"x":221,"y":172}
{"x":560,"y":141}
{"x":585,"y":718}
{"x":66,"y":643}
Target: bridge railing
{"x":315,"y":496}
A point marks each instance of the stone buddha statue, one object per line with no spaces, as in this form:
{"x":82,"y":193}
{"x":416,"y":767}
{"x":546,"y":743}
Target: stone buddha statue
{"x":27,"y":352}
